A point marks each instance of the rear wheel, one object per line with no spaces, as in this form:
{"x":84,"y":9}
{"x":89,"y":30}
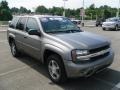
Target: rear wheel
{"x":116,"y":27}
{"x":96,"y":25}
{"x":56,"y":69}
{"x":14,"y":50}
{"x":104,"y":29}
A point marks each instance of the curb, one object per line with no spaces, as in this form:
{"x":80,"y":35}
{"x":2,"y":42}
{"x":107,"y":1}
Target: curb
{"x":3,"y":30}
{"x":4,"y":25}
{"x":89,"y":25}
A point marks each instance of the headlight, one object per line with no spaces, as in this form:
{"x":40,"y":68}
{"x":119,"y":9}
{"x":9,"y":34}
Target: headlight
{"x":77,"y":55}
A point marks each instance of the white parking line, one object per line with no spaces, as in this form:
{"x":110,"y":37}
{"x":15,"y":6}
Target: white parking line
{"x":117,"y":87}
{"x":3,"y":30}
{"x":4,"y":51}
{"x":109,"y":83}
{"x":3,"y":41}
{"x":15,"y":70}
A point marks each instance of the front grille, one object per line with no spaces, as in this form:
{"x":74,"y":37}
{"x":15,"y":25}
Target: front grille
{"x":93,"y":59}
{"x":98,"y":49}
{"x":99,"y":57}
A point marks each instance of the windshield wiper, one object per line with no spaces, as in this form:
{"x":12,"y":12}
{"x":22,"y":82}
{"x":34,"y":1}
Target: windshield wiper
{"x":72,"y":31}
{"x":64,"y":31}
{"x":56,"y":31}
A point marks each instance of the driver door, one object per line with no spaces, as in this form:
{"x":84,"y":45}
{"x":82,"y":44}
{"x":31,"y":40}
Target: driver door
{"x":33,"y":42}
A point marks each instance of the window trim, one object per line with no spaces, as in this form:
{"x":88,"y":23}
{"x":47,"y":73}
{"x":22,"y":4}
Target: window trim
{"x":13,"y":23}
{"x":24,"y":25}
{"x":35,"y":21}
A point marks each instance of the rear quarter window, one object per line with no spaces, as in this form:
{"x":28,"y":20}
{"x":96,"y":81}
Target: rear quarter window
{"x":14,"y":22}
{"x":21,"y":23}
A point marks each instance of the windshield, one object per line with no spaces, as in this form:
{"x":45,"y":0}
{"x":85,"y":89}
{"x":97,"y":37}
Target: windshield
{"x":112,"y":19}
{"x":58,"y":25}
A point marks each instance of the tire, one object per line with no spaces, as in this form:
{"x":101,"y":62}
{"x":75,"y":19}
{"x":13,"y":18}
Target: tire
{"x":97,"y":25}
{"x":14,"y":50}
{"x":56,"y":70}
{"x":116,"y":28}
{"x":104,"y":29}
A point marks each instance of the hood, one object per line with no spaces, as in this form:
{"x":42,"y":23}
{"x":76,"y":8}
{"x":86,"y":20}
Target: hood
{"x":110,"y":22}
{"x":83,"y":40}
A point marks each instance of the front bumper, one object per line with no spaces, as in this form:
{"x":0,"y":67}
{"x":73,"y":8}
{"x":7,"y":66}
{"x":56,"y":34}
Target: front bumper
{"x":87,"y":69}
{"x":108,"y":26}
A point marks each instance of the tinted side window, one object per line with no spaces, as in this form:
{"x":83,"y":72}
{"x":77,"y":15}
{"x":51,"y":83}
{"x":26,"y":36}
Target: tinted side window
{"x":14,"y":22}
{"x":21,"y":23}
{"x":31,"y":24}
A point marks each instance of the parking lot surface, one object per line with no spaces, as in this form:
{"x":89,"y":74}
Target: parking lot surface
{"x":25,"y":73}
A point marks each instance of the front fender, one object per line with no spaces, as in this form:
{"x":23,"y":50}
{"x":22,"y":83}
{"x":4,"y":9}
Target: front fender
{"x":10,"y":35}
{"x":63,"y":52}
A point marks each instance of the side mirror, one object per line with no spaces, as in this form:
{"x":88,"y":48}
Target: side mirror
{"x":33,"y":32}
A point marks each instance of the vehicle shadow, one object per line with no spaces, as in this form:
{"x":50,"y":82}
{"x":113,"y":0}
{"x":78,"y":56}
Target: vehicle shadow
{"x":113,"y":30}
{"x":105,"y":80}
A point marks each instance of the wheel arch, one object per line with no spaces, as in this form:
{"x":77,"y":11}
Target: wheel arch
{"x":10,"y":39}
{"x":48,"y":52}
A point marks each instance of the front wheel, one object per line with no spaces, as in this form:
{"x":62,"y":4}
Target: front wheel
{"x":96,"y":25}
{"x":116,"y":27}
{"x":56,"y":69}
{"x":14,"y":50}
{"x":104,"y":29}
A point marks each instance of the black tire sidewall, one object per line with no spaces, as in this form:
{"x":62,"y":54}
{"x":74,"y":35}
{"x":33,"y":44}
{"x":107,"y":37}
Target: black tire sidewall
{"x":16,"y":53}
{"x":57,"y":59}
{"x":116,"y":27}
{"x":104,"y":29}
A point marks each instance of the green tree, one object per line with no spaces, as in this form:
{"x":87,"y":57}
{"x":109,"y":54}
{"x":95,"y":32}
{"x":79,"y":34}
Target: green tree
{"x":41,"y":10}
{"x":15,"y":10}
{"x":5,"y":13}
{"x":21,"y":10}
{"x":107,"y":14}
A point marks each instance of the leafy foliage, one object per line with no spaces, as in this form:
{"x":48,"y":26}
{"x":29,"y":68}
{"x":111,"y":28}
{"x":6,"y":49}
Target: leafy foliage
{"x":5,"y":13}
{"x":101,"y":12}
{"x":90,"y":12}
{"x":21,"y":10}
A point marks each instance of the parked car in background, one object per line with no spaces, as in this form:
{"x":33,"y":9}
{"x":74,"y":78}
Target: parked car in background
{"x":111,"y":24}
{"x":60,"y":45}
{"x":76,"y":22}
{"x":99,"y":22}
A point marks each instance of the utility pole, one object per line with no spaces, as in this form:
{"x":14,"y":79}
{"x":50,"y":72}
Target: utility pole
{"x":96,"y":17}
{"x":64,"y":7}
{"x":118,"y":9}
{"x":91,"y":16}
{"x":83,"y":14}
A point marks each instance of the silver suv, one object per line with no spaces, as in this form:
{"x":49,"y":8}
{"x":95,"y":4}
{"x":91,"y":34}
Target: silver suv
{"x":65,"y":50}
{"x":111,"y":23}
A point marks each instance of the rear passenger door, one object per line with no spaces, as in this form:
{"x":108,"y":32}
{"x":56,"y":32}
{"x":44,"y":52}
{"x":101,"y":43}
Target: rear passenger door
{"x":20,"y":33}
{"x":33,"y":42}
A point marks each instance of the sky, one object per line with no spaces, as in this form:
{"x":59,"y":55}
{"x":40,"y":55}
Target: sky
{"x":73,"y":4}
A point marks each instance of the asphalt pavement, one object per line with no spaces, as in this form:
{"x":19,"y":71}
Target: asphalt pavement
{"x":25,"y":73}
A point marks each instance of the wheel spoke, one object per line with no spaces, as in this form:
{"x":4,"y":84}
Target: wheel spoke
{"x":57,"y":68}
{"x":13,"y":49}
{"x":57,"y":74}
{"x":54,"y":69}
